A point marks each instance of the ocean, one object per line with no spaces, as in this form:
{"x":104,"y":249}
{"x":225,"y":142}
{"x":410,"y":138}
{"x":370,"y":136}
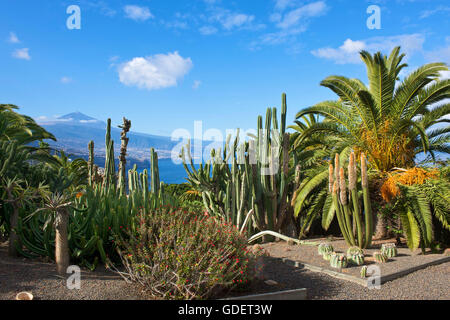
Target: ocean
{"x":171,"y":173}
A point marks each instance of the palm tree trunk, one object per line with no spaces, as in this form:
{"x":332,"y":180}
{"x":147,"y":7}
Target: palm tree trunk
{"x":13,"y":237}
{"x":380,"y":227}
{"x":61,"y":242}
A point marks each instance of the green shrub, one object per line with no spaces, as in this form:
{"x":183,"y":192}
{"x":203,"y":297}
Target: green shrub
{"x":176,"y":254}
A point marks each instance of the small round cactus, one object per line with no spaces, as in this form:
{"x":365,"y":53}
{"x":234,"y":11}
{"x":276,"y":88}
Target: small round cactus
{"x":356,"y":259}
{"x":363,"y":272}
{"x":353,"y":250}
{"x":325,"y":247}
{"x":327,"y":255}
{"x":379,"y":257}
{"x":338,"y":261}
{"x":389,"y":250}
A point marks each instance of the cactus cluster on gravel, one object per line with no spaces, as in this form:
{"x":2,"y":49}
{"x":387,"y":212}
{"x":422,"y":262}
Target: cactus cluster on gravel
{"x":324,"y":248}
{"x":380,"y":257}
{"x":389,"y":250}
{"x":338,"y":261}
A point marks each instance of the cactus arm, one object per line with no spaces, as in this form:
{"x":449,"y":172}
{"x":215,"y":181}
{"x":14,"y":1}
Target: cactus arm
{"x":348,"y":223}
{"x":367,"y":204}
{"x":357,"y":215}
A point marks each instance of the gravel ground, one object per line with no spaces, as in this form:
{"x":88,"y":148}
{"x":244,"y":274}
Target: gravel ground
{"x":18,"y":274}
{"x":432,"y":283}
{"x":308,"y":254}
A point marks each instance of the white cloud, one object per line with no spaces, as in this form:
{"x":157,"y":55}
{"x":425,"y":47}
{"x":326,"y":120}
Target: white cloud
{"x":22,"y":54}
{"x":348,"y":52}
{"x":48,"y":120}
{"x":236,"y":20}
{"x":283,"y":4}
{"x":298,"y":16}
{"x":208,"y":30}
{"x":89,"y":121}
{"x":230,"y":20}
{"x":66,"y":80}
{"x":428,"y":13}
{"x":13,"y":38}
{"x":290,"y":23}
{"x":154,"y":72}
{"x":137,"y":13}
{"x":196,"y":84}
{"x":439,"y":55}
{"x":445,"y":75}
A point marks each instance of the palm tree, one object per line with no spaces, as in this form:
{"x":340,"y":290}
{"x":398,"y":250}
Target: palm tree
{"x":57,"y":204}
{"x":21,"y":128}
{"x":391,"y":121}
{"x":17,"y":193}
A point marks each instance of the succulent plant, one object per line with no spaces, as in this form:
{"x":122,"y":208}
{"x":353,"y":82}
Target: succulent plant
{"x":363,"y":272}
{"x":325,"y":248}
{"x":356,"y":259}
{"x":257,"y":179}
{"x":379,"y":257}
{"x":346,"y":202}
{"x":389,"y":250}
{"x":338,"y":260}
{"x":327,"y":255}
{"x":354,"y":250}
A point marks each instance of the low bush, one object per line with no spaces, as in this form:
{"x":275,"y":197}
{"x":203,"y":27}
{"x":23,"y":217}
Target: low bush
{"x":176,"y":254}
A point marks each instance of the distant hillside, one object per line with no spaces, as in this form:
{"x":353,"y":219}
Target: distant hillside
{"x":73,"y":132}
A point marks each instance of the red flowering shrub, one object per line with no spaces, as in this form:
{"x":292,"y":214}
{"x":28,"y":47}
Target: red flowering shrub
{"x":176,"y":254}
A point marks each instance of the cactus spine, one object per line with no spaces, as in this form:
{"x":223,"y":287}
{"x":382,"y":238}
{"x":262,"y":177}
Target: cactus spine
{"x":349,"y":215}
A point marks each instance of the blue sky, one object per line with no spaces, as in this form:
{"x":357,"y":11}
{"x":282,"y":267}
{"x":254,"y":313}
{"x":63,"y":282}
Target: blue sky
{"x":165,"y":63}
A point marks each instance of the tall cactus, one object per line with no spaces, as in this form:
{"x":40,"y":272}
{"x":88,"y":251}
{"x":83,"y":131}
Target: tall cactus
{"x":109,"y":177}
{"x":91,"y":162}
{"x":154,"y":171}
{"x":348,"y":211}
{"x":123,"y":154}
{"x":249,"y":179}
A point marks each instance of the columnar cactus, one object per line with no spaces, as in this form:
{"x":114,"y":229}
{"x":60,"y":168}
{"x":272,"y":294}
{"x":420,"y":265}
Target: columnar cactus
{"x":389,"y":250}
{"x":109,"y":177}
{"x":356,"y":259}
{"x":123,"y":154}
{"x":338,"y":261}
{"x":325,"y":247}
{"x":346,"y":202}
{"x":249,"y":177}
{"x":91,"y":163}
{"x":379,"y":257}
